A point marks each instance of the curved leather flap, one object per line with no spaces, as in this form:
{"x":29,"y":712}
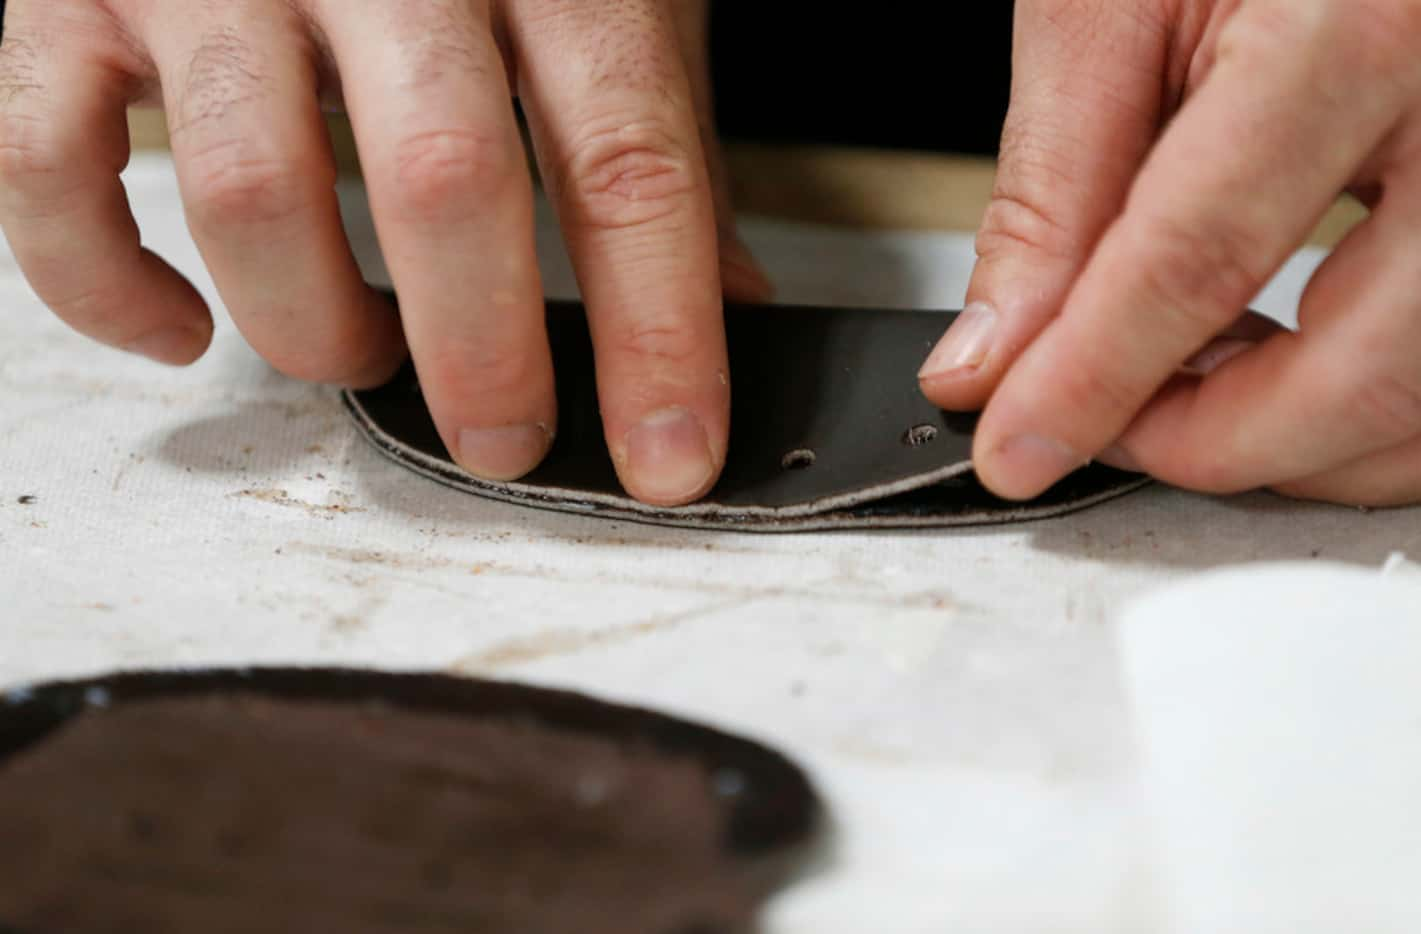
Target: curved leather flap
{"x":829,"y":429}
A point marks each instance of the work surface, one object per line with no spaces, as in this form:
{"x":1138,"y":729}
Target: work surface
{"x":956,"y":694}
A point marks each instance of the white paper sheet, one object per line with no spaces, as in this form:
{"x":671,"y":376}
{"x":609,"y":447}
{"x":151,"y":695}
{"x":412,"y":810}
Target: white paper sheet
{"x":1278,"y":712}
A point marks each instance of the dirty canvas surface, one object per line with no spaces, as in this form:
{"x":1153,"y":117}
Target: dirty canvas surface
{"x":955,"y":694}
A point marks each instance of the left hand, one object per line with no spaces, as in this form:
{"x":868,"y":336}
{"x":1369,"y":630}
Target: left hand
{"x":618,"y":99}
{"x":1161,"y":160}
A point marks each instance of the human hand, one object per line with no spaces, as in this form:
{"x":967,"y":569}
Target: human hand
{"x":618,"y":100}
{"x":1161,"y":161}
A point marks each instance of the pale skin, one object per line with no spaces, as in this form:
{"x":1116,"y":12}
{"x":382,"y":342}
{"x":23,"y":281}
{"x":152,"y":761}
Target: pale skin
{"x":1161,"y":160}
{"x":617,"y":96}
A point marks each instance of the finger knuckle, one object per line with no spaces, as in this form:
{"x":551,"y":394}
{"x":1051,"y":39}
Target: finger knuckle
{"x":1040,"y":197}
{"x":1104,"y":390}
{"x":1197,"y":275}
{"x":29,"y":161}
{"x":88,"y":308}
{"x":1384,"y":34}
{"x":1386,"y":406}
{"x":663,"y":345}
{"x":441,"y":173}
{"x":1329,"y":43}
{"x":1266,"y":30}
{"x":236,"y":183}
{"x":630,"y":176}
{"x":485,"y":373}
{"x":1015,"y":221}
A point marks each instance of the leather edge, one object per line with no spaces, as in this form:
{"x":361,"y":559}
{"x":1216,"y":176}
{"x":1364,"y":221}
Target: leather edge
{"x":820,"y":515}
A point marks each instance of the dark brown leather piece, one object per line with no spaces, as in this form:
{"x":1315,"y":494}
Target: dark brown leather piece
{"x":828,"y":430}
{"x":233,"y":801}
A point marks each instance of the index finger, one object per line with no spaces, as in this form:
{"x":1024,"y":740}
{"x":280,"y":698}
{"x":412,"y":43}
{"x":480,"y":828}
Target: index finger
{"x":65,"y":214}
{"x":1234,"y":186}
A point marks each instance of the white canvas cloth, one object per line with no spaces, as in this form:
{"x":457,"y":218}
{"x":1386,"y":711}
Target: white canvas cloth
{"x":955,"y":694}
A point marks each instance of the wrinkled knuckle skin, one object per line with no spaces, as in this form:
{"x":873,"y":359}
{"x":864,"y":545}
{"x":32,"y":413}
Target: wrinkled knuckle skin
{"x":665,"y":345}
{"x":1387,"y":406}
{"x":90,"y":311}
{"x":28,"y":161}
{"x":630,"y":177}
{"x":1013,"y":223}
{"x":483,"y":376}
{"x":230,"y":185}
{"x":444,"y":174}
{"x":1096,"y":389}
{"x":1030,"y":202}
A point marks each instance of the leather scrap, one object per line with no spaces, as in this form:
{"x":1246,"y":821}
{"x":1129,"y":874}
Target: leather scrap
{"x":829,"y":430}
{"x":286,"y":799}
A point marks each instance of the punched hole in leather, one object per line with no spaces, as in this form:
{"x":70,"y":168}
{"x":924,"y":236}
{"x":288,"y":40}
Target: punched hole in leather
{"x":828,"y":430}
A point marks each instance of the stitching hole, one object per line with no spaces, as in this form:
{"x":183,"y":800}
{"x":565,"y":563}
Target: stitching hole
{"x":798,"y":459}
{"x":920,"y":435}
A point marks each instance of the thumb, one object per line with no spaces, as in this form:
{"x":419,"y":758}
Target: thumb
{"x":1088,"y":84}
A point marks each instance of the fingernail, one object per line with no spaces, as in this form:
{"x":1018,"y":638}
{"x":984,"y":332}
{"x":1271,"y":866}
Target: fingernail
{"x":1215,"y":355}
{"x":504,"y":453}
{"x":175,"y":346}
{"x":966,"y":345}
{"x":1119,"y":458}
{"x":668,"y":458}
{"x":1032,"y":464}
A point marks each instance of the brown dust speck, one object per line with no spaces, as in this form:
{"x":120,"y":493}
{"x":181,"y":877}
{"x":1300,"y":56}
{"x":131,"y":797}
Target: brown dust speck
{"x":278,"y":497}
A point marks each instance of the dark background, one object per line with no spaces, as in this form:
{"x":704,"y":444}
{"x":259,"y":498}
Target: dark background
{"x":895,"y":73}
{"x":912,"y":74}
